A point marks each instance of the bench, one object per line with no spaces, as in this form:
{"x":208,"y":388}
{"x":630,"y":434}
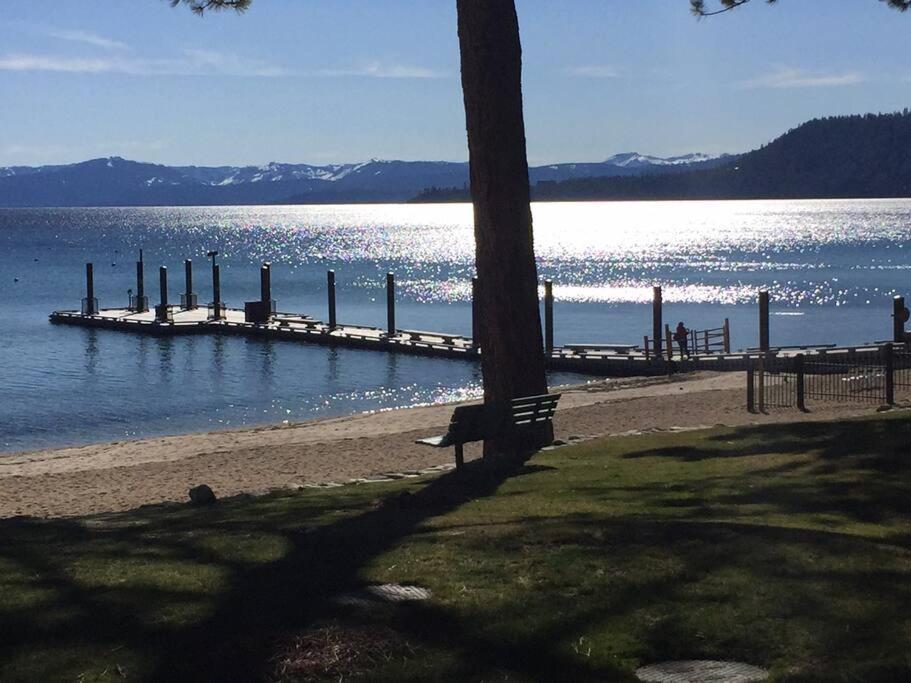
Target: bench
{"x":616,"y":348}
{"x":418,"y":336}
{"x":487,"y":421}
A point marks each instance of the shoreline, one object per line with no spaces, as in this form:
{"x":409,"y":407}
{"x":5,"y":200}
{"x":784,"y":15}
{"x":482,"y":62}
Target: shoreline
{"x":122,"y":475}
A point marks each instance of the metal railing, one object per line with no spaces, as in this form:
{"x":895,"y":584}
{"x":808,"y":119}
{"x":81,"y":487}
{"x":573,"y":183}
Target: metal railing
{"x":785,"y":382}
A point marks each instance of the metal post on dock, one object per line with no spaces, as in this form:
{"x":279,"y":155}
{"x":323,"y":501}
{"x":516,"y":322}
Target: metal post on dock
{"x":475,"y":317}
{"x":390,"y":303}
{"x":89,"y":304}
{"x":330,"y":288}
{"x":162,"y":311}
{"x":899,"y":318}
{"x":549,"y":316}
{"x":265,"y":286}
{"x":656,"y":320}
{"x":763,"y":320}
{"x":668,"y":339}
{"x":141,"y":303}
{"x":800,"y":380}
{"x":189,"y":300}
{"x":216,"y":291}
{"x":726,"y":331}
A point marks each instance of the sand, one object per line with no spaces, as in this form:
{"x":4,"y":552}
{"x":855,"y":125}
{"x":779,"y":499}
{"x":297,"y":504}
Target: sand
{"x":124,"y":475}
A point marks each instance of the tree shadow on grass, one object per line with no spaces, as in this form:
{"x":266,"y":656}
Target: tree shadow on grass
{"x":174,"y":594}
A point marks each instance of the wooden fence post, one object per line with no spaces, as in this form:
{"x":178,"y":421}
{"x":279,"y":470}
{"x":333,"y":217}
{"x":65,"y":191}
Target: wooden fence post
{"x":330,"y":293}
{"x":727,"y":336}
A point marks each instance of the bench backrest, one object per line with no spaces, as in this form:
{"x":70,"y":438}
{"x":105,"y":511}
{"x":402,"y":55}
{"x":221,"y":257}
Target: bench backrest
{"x":531,"y":410}
{"x":479,"y":422}
{"x":472,"y":423}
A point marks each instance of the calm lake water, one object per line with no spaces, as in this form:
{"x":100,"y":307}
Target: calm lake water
{"x":832,"y":267}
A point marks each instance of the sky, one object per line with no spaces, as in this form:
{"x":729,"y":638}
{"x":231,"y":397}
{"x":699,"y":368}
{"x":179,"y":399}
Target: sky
{"x":336,"y":81}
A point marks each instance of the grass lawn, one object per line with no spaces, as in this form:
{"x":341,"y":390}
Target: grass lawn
{"x":788,"y":547}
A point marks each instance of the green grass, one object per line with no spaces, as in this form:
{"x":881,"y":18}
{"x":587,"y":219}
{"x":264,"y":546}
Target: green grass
{"x":787,"y":546}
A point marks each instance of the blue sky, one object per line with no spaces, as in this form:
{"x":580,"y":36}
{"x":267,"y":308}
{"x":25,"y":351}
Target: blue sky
{"x":323,"y":81}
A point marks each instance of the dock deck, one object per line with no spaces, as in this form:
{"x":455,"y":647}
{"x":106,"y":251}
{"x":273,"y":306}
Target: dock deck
{"x":584,"y":359}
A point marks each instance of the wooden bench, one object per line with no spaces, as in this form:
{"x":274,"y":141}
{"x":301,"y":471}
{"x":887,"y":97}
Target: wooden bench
{"x":616,"y":348}
{"x":488,"y":421}
{"x":420,"y":336}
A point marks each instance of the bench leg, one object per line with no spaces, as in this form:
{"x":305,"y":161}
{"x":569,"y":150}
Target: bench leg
{"x":459,"y":456}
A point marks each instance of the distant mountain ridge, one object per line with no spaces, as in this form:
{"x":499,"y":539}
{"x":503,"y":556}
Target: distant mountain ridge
{"x":114,"y":181}
{"x":859,"y":156}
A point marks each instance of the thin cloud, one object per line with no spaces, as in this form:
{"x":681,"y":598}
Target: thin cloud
{"x":86,"y":38}
{"x":790,"y":77}
{"x":192,"y":63}
{"x":377,"y":69}
{"x":593,"y":71}
{"x":199,"y":62}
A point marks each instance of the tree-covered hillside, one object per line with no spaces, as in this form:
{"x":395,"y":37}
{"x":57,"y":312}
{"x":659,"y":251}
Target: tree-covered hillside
{"x":843,"y":156}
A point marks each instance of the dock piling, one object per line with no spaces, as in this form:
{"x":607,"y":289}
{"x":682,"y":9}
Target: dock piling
{"x":216,"y":292}
{"x":549,"y":316}
{"x":265,"y":286}
{"x":188,"y":301}
{"x":90,"y":303}
{"x":330,"y":288}
{"x":162,"y":311}
{"x":764,"y":320}
{"x":390,"y":303}
{"x":141,"y":303}
{"x":899,"y":318}
{"x":656,"y":320}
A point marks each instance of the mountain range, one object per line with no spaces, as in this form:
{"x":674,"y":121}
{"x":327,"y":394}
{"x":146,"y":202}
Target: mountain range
{"x":114,"y":181}
{"x":859,"y":156}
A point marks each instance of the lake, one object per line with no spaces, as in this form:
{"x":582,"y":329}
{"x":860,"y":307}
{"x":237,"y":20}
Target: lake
{"x":832,"y":267}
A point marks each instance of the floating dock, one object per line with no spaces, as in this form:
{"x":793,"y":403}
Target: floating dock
{"x":710,"y":348}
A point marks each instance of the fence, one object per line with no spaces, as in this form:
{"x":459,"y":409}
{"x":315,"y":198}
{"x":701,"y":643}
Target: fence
{"x":785,"y":382}
{"x":715,"y":340}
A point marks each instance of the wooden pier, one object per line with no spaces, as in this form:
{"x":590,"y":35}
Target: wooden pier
{"x":261,"y":319}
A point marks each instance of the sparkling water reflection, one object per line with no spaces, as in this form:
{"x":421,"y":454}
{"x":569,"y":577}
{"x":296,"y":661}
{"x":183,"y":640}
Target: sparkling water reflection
{"x":831,"y":265}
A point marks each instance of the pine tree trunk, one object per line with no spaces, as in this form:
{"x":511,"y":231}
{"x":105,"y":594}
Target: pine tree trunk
{"x":512,"y":357}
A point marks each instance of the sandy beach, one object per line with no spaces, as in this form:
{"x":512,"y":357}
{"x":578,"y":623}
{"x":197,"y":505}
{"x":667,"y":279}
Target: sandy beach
{"x":126,"y":474}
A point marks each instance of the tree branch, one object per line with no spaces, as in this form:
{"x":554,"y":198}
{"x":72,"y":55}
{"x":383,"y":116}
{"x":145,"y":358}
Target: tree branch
{"x":698,"y":6}
{"x":202,"y":6}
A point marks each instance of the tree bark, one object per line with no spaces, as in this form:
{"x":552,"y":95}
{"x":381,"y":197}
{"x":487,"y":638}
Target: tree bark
{"x":512,"y":357}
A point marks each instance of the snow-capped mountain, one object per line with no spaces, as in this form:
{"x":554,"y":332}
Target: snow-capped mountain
{"x":636,"y":160}
{"x":114,"y":181}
